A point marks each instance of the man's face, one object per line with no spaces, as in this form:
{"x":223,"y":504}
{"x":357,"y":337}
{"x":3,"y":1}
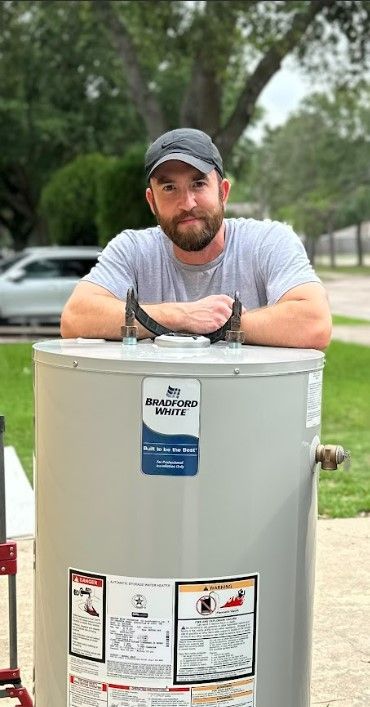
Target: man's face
{"x":188,"y":204}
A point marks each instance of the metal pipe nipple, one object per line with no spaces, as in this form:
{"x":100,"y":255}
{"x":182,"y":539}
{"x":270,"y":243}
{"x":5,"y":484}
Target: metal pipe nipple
{"x":234,"y":336}
{"x":129,"y":329}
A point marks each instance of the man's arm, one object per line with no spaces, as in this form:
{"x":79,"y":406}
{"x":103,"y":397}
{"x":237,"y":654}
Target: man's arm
{"x":301,"y":319}
{"x":94,"y":313}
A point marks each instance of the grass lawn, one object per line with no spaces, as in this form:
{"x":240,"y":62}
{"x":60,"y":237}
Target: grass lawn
{"x":343,"y":270}
{"x":346,"y":420}
{"x":349,"y":321}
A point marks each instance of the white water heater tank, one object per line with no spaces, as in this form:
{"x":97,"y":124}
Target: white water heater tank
{"x":176,"y":515}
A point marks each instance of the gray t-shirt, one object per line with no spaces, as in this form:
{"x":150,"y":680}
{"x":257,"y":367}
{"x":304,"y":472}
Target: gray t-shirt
{"x":261,"y":260}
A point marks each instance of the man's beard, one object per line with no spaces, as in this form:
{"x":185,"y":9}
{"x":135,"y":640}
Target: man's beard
{"x":193,"y":238}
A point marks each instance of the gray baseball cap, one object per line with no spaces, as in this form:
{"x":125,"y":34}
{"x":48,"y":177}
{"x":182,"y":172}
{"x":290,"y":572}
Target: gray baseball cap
{"x":187,"y":145}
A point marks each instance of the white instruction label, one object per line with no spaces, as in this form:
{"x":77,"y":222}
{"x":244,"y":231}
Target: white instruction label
{"x":314,"y":393}
{"x":139,"y":630}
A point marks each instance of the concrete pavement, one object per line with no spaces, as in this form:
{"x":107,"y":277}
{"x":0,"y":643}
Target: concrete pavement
{"x":341,"y":643}
{"x":348,"y":294}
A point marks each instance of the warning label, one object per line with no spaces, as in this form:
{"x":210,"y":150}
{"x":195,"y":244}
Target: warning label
{"x":239,"y":693}
{"x":125,"y":696}
{"x":215,"y":630}
{"x":86,"y":693}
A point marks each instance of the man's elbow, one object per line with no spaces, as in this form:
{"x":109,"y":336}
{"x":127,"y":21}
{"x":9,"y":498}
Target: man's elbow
{"x":68,"y":328}
{"x":320,"y":335}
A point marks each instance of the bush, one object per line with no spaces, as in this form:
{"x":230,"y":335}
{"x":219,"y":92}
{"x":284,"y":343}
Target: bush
{"x":121,"y":195}
{"x":69,"y":201}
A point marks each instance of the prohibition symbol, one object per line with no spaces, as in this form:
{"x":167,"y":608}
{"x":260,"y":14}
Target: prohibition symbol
{"x":206,"y":605}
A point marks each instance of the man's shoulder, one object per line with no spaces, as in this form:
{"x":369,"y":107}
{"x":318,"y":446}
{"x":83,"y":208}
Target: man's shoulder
{"x":248,"y":230}
{"x":139,"y":236}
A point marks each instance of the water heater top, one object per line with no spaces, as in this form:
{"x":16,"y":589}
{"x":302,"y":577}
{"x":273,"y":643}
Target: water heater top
{"x":154,"y":357}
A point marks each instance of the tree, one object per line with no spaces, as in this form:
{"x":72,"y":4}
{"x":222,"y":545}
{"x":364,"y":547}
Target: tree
{"x":315,"y":170}
{"x":354,"y":211}
{"x":206,"y":49}
{"x":62,"y":95}
{"x":80,"y":76}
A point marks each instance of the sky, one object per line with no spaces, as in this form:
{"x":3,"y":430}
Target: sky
{"x":281,"y":97}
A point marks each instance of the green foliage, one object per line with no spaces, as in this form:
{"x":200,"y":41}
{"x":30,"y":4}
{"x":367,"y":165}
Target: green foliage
{"x":121,"y":195}
{"x":69,"y":201}
{"x":314,"y":171}
{"x":94,"y":197}
{"x":86,"y":76}
{"x":62,"y":94}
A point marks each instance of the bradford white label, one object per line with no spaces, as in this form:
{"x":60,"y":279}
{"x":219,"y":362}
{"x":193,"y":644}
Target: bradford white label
{"x":170,"y":426}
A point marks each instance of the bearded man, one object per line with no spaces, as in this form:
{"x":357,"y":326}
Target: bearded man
{"x":186,"y":270}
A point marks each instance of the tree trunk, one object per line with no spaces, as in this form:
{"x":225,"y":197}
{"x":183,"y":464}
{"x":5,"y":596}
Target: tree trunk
{"x":332,"y":248}
{"x":201,"y":106}
{"x":311,"y":249}
{"x":359,"y":245}
{"x":265,"y":69}
{"x":141,"y":94}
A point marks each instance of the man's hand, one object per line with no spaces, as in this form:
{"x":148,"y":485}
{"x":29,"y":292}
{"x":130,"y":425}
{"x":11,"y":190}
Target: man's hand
{"x":204,"y":315}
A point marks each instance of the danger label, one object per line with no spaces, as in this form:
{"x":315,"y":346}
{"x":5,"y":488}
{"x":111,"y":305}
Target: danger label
{"x":87,"y":616}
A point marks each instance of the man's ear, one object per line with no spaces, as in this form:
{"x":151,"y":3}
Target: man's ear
{"x":150,"y":199}
{"x":225,"y":190}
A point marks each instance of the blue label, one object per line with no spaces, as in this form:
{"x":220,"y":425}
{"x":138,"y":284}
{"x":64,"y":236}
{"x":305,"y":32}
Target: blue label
{"x":170,"y":426}
{"x":169,"y":455}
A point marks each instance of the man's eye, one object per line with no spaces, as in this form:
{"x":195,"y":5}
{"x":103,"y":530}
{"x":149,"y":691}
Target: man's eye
{"x":199,"y":183}
{"x":168,"y":187}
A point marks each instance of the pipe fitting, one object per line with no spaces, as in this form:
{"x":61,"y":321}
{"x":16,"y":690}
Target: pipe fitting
{"x":330,"y":456}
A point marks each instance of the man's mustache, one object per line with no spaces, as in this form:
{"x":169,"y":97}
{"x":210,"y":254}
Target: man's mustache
{"x":189,"y":214}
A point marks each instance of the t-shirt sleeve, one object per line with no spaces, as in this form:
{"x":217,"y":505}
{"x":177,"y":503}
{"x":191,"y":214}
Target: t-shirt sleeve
{"x":283,"y":262}
{"x":116,"y":269}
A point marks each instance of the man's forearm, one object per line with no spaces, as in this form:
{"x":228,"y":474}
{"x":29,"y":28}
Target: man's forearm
{"x":102,"y":317}
{"x":292,"y":324}
{"x":92,"y":312}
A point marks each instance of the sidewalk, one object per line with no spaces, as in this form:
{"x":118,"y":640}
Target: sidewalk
{"x":349,"y":295}
{"x":341,"y":644}
{"x":352,"y":334}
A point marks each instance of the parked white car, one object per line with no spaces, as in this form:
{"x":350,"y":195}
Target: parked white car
{"x":36,"y":283}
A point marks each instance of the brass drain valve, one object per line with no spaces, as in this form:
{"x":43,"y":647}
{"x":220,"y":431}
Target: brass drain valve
{"x":331,"y":455}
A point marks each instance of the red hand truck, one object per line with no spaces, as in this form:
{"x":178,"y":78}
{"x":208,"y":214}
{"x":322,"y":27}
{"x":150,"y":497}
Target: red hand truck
{"x":10,"y":678}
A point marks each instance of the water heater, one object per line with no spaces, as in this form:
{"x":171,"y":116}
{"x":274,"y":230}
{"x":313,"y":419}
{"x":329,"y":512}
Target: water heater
{"x":176,"y":515}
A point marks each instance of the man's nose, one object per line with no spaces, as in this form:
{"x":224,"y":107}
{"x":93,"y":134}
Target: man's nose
{"x":187,"y":200}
